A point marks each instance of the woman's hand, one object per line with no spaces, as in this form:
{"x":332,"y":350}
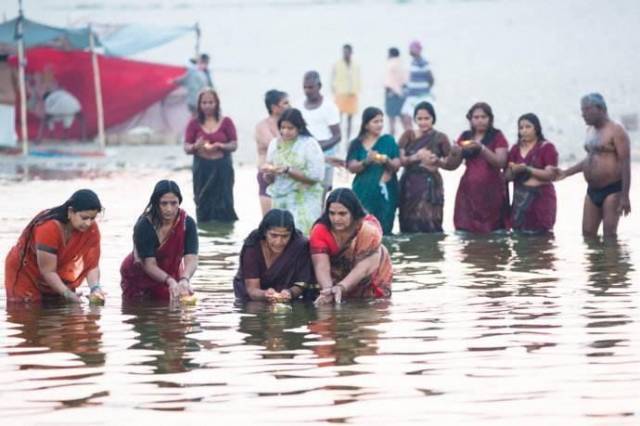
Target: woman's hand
{"x":96,"y":295}
{"x":338,"y":291}
{"x":326,"y":296}
{"x":517,"y":168}
{"x":184,"y":287}
{"x":174,"y":288}
{"x":200,"y":142}
{"x":70,"y":296}
{"x":285,"y":296}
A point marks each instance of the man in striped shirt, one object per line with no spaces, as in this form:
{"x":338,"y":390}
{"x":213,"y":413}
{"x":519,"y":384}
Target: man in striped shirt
{"x":419,"y":85}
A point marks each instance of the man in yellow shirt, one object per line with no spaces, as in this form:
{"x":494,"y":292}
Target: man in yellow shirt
{"x":345,"y":83}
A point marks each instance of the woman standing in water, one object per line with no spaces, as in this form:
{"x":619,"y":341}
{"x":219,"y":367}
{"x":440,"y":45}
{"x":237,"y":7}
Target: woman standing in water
{"x":56,"y":252}
{"x":165,"y":249}
{"x":211,"y":139}
{"x":275,"y":264}
{"x":295,"y":169}
{"x":348,"y":256}
{"x":532,"y":168}
{"x":422,"y":153}
{"x":482,"y":201}
{"x":374,"y":158}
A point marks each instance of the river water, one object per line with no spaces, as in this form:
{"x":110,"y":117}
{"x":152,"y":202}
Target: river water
{"x":497,"y":330}
{"x":479,"y":330}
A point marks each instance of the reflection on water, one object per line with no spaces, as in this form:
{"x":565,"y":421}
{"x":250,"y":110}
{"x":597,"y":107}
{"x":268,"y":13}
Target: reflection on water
{"x":480,"y":330}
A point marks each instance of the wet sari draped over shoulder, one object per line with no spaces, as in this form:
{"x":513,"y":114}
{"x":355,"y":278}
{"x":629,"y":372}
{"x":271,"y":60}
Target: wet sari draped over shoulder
{"x":482,"y":202}
{"x":292,"y":267}
{"x":75,"y":257}
{"x":367,"y":240}
{"x":378,"y":197}
{"x":137,"y":284}
{"x":422,"y":190}
{"x":534,"y":207}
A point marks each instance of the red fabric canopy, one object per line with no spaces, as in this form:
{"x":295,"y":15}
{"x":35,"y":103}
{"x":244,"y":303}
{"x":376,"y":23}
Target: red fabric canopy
{"x":128,"y":87}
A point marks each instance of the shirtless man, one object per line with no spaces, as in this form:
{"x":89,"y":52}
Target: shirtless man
{"x":267,"y":130}
{"x":606,"y":169}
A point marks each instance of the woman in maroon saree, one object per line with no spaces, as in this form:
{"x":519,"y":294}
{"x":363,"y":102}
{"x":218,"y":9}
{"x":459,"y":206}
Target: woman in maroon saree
{"x":275,"y":264}
{"x":532,"y":165}
{"x":482,"y":202}
{"x":165,"y":252}
{"x":422,"y":153}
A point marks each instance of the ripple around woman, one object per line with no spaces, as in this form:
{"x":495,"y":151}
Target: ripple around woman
{"x":347,"y":252}
{"x":56,"y":252}
{"x":374,"y":158}
{"x":422,"y":153}
{"x":532,"y":168}
{"x":211,"y":139}
{"x":165,"y":249}
{"x":295,"y":170}
{"x":482,"y":202}
{"x":275,"y":264}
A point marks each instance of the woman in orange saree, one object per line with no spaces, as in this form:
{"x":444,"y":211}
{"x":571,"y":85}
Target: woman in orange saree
{"x":348,"y":256}
{"x":56,"y":252}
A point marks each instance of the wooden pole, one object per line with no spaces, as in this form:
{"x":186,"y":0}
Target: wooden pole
{"x":197,"y":40}
{"x":22,"y":84}
{"x":98,"y":90}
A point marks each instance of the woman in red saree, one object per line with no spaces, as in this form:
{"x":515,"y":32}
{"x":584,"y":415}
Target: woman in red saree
{"x":532,"y":165}
{"x":274,"y":261}
{"x":165,"y":249}
{"x":482,"y":202}
{"x":347,"y":252}
{"x":56,"y":252}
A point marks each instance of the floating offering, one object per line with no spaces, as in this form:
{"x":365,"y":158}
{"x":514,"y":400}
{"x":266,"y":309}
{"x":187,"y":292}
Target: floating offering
{"x":96,"y":299}
{"x":466,"y":143}
{"x":190,"y":300}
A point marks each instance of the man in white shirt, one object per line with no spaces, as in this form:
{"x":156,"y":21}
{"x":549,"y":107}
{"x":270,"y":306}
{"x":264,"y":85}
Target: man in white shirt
{"x":323,"y":122}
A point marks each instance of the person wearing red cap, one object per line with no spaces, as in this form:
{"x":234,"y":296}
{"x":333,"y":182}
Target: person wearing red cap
{"x":419,"y":84}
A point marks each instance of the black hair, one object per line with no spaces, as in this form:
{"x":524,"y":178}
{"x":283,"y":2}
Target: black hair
{"x":153,"y":207}
{"x":394,"y":52}
{"x":216,"y":112}
{"x":81,"y":200}
{"x":348,"y":46}
{"x":347,"y":198}
{"x":484,"y":107}
{"x":273,"y":97}
{"x":368,"y":114}
{"x":424,"y":105}
{"x":275,"y":218}
{"x":294,"y":116}
{"x":469,"y":134}
{"x":533,"y":119}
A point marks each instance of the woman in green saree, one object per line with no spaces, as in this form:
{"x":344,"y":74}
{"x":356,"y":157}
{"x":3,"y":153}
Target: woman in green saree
{"x":374,"y":158}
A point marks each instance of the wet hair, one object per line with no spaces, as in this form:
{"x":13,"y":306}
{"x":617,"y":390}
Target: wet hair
{"x":273,"y":97}
{"x":81,"y":200}
{"x":275,"y":218}
{"x":594,"y":99}
{"x":153,"y":207}
{"x":368,"y":114}
{"x":294,"y":116}
{"x":484,"y":107}
{"x":313,"y":76}
{"x":394,"y":52}
{"x":533,"y":119}
{"x":216,"y":111}
{"x":347,"y":198}
{"x":424,"y":105}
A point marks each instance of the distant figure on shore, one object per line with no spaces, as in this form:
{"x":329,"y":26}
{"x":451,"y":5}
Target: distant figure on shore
{"x":395,"y":80}
{"x":349,"y":259}
{"x":295,"y":168}
{"x":165,"y":249}
{"x":482,"y":205}
{"x":8,"y":90}
{"x":211,"y":138}
{"x":606,"y":169}
{"x":194,"y":80}
{"x":419,"y":84}
{"x":345,"y":84}
{"x":266,"y":131}
{"x":57,"y":251}
{"x":323,"y":121}
{"x":275,"y":264}
{"x":374,"y":158}
{"x":532,"y":166}
{"x":422,"y":153}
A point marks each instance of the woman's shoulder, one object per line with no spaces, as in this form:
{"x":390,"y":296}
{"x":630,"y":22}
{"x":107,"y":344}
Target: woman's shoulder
{"x":318,"y":231}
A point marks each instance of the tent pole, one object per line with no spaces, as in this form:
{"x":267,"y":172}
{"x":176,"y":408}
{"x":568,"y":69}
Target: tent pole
{"x":98,"y":90}
{"x":22,"y":85}
{"x":197,"y":40}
